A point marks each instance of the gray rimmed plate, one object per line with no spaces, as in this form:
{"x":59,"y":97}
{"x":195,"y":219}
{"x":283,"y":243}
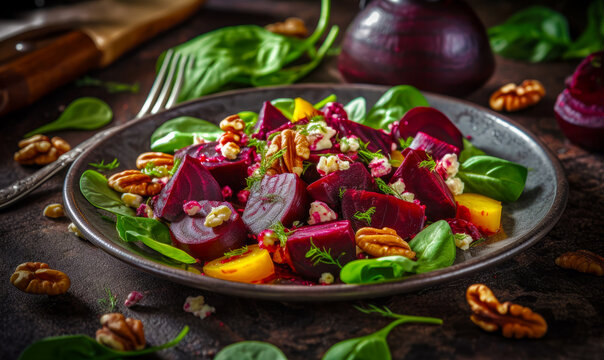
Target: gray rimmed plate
{"x":524,"y":222}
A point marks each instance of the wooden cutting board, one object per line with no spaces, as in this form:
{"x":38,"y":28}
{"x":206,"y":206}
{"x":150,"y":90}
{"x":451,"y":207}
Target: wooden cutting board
{"x":99,"y":32}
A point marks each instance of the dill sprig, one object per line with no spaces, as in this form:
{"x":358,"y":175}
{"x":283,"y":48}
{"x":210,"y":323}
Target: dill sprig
{"x":477,"y":242}
{"x":366,"y":155}
{"x":103,"y":167}
{"x":381,"y":184}
{"x":175,"y":167}
{"x":386,"y":312}
{"x":236,"y":252}
{"x":305,"y":166}
{"x":265,"y":164}
{"x":109,"y":302}
{"x":430,"y":164}
{"x":365,"y":216}
{"x":280,"y":232}
{"x":260,"y":145}
{"x":405,"y":143}
{"x":341,"y":192}
{"x":110,"y":86}
{"x":322,"y":256}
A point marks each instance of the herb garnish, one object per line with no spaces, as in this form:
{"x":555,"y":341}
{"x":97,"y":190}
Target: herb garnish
{"x":265,"y":164}
{"x":386,"y":312}
{"x":322,"y":256}
{"x":155,"y":171}
{"x":110,"y":86}
{"x":341,"y":192}
{"x":280,"y":232}
{"x":405,"y":143}
{"x":104,"y":167}
{"x":479,"y":241}
{"x":430,"y":164}
{"x":305,"y":166}
{"x":366,"y":155}
{"x":365,"y":216}
{"x":381,"y":184}
{"x":172,"y":171}
{"x":109,"y":302}
{"x":236,"y":252}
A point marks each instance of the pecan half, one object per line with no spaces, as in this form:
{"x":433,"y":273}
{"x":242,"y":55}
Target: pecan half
{"x":290,"y":27}
{"x":157,"y":158}
{"x":121,"y":334}
{"x":40,"y":150}
{"x":135,"y":182}
{"x":38,"y":278}
{"x":513,"y":320}
{"x":513,"y":98}
{"x":583,"y":261}
{"x":233,"y":124}
{"x":382,"y":242}
{"x":297,"y":150}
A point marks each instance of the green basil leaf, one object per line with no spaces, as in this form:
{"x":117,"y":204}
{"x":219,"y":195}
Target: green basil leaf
{"x":180,"y":132}
{"x":393,"y":105}
{"x":592,"y":39}
{"x":86,"y":113}
{"x":493,"y":177}
{"x":534,"y":34}
{"x":356,"y":109}
{"x":93,"y":186}
{"x":131,"y":229}
{"x":368,"y":347}
{"x":250,"y":350}
{"x":368,"y":271}
{"x":468,"y":151}
{"x":434,"y":247}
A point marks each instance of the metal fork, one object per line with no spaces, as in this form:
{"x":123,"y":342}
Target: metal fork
{"x":163,"y":95}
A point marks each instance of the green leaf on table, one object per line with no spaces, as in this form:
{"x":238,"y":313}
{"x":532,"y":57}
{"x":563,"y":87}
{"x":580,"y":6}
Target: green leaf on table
{"x":393,"y":105}
{"x":82,"y":347}
{"x":592,"y":39}
{"x":93,"y":186}
{"x":102,"y":166}
{"x":490,"y":176}
{"x":180,"y":132}
{"x":534,"y":34}
{"x":86,"y":113}
{"x":468,"y":151}
{"x":110,"y":86}
{"x":250,"y":350}
{"x":152,"y":233}
{"x":356,"y":109}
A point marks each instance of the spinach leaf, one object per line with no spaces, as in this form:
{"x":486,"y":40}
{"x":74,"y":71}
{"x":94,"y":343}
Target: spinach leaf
{"x":368,"y":271}
{"x":81,"y":347}
{"x":151,"y":233}
{"x":356,"y":109}
{"x":592,"y":39}
{"x":180,"y":132}
{"x":250,"y":350}
{"x":250,"y":119}
{"x":534,"y":34}
{"x":393,"y":105}
{"x":434,"y":247}
{"x":468,"y":151}
{"x":93,"y":186}
{"x":493,"y":177}
{"x":86,"y":113}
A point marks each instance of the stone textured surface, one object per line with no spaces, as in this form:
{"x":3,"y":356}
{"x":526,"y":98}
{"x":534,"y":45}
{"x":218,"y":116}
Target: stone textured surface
{"x":570,"y":302}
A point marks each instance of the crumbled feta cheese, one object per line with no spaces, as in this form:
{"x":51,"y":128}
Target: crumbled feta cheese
{"x":398,"y":186}
{"x":332,"y":163}
{"x":230,"y":150}
{"x":326,"y":278}
{"x":380,"y":166}
{"x":191,"y":207}
{"x":463,"y":241}
{"x":455,"y":185}
{"x":198,"y":307}
{"x":408,"y":196}
{"x":132,"y":200}
{"x":450,"y":164}
{"x":349,"y":144}
{"x":319,"y":135}
{"x":72,"y":228}
{"x":320,"y":212}
{"x":217,"y":216}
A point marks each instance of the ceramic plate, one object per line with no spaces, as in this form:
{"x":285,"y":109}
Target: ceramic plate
{"x":524,"y":222}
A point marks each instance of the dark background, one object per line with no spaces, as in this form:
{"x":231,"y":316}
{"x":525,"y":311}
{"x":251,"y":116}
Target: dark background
{"x":571,"y":302}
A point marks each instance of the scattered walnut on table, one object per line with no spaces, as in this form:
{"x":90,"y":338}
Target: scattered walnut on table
{"x":38,"y":278}
{"x":290,"y":27}
{"x":513,"y":320}
{"x":135,"y":182}
{"x":157,"y":158}
{"x":583,"y":261}
{"x":119,"y":333}
{"x":382,"y":242}
{"x":297,"y":150}
{"x":40,"y":150}
{"x":513,"y":98}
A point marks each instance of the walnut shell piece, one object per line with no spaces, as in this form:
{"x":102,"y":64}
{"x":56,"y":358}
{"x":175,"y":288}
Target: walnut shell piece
{"x":157,"y":158}
{"x":40,"y":150}
{"x":297,"y":150}
{"x":39,"y":278}
{"x":513,"y":320}
{"x":382,"y":242}
{"x":583,"y":261}
{"x":135,"y":182}
{"x":292,"y":26}
{"x":119,"y":333}
{"x":513,"y":98}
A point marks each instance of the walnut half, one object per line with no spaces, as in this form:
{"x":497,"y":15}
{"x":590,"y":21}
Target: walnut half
{"x":38,"y":278}
{"x":120,"y":333}
{"x":513,"y":98}
{"x":513,"y":320}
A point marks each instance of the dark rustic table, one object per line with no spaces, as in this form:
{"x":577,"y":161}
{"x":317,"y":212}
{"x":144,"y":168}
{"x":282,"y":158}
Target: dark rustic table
{"x":571,"y":302}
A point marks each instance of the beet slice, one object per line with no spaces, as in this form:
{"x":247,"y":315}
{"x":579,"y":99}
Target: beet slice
{"x":280,"y":197}
{"x":430,"y":121}
{"x":406,"y":218}
{"x":227,"y":172}
{"x":376,"y":139}
{"x":432,"y":145}
{"x":336,"y":237}
{"x":192,"y":181}
{"x":327,"y":189}
{"x":427,"y":186}
{"x":269,"y":119}
{"x":206,"y":243}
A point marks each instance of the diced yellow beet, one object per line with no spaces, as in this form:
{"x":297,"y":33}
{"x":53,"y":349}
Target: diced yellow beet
{"x":303,"y":110}
{"x":396,"y":158}
{"x":480,"y":210}
{"x":252,"y":266}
